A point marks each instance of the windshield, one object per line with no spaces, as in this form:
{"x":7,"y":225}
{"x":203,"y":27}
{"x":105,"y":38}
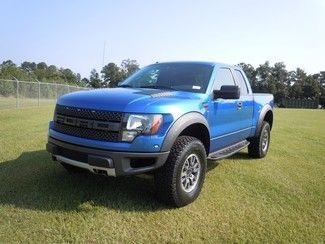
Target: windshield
{"x":192,"y":77}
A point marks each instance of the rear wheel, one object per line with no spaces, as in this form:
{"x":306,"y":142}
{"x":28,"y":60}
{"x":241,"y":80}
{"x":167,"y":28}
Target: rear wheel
{"x":259,"y":145}
{"x":179,"y":181}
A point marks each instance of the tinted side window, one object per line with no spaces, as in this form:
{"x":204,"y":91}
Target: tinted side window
{"x":241,"y":82}
{"x":223,"y":78}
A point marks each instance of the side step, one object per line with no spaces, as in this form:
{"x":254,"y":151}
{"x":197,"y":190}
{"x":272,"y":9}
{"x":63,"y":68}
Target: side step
{"x":228,"y":151}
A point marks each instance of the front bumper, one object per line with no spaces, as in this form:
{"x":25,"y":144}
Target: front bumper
{"x":111,"y":163}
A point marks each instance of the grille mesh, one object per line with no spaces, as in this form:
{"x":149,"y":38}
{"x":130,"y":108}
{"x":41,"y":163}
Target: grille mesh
{"x":87,"y":133}
{"x":90,"y":114}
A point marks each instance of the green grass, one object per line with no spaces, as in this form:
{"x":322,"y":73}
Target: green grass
{"x":277,"y":199}
{"x":11,"y":102}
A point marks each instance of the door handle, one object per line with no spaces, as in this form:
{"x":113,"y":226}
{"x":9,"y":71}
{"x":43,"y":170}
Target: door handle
{"x":239,"y":105}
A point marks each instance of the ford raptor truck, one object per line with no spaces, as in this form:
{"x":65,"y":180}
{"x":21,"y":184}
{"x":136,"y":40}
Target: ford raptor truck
{"x":166,"y":119}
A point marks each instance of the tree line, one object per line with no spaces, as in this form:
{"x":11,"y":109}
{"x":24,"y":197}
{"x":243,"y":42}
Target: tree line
{"x":31,"y":71}
{"x":109,"y":76}
{"x":275,"y":79}
{"x":284,"y":84}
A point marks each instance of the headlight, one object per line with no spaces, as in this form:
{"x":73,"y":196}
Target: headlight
{"x":141,"y":124}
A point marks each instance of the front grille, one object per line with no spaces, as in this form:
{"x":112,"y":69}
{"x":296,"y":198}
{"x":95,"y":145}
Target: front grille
{"x":88,"y":123}
{"x":89,"y":113}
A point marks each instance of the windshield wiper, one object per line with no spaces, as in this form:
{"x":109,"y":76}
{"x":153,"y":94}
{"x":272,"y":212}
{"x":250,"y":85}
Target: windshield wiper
{"x":159,"y":87}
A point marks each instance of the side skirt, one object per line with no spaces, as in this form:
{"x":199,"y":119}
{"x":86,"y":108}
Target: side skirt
{"x":228,"y":151}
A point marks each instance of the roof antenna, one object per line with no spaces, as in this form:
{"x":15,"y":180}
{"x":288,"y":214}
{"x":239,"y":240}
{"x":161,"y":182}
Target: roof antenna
{"x":104,"y":54}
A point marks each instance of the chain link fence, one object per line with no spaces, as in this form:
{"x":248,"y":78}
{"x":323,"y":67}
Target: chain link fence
{"x":17,"y":94}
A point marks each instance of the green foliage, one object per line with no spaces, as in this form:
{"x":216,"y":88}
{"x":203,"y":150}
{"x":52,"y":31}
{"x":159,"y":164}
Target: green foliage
{"x":30,"y":71}
{"x":284,"y":84}
{"x":94,"y":80}
{"x":7,"y":88}
{"x":129,"y":67}
{"x":111,"y":74}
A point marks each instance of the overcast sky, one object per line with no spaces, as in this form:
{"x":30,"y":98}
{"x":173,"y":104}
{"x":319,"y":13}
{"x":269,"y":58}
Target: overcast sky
{"x":72,"y":33}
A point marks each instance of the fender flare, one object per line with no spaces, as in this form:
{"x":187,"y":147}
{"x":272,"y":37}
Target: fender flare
{"x":179,"y":125}
{"x":263,"y":112}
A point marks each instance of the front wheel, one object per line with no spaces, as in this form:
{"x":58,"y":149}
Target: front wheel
{"x":179,"y":181}
{"x":259,"y":145}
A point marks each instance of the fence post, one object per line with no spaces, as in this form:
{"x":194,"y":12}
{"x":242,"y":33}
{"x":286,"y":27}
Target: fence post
{"x":39,"y":91}
{"x":17,"y":92}
{"x":56,"y":90}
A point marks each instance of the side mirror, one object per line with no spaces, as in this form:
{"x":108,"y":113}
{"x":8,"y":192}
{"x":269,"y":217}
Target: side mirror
{"x":227,"y":92}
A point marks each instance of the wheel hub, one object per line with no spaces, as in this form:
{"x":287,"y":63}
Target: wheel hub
{"x":265,"y":140}
{"x":190,"y":172}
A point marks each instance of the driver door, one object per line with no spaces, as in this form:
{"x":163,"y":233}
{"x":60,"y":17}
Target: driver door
{"x":223,"y":114}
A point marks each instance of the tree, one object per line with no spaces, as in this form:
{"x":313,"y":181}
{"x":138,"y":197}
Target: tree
{"x":28,"y":66}
{"x":321,"y":78}
{"x":128,"y":67}
{"x":280,"y":78}
{"x":94,"y":80}
{"x":250,"y":74}
{"x":78,"y":77}
{"x":311,"y":89}
{"x":111,"y":74}
{"x":84,"y":82}
{"x":68,"y":75}
{"x":42,"y":65}
{"x":263,"y":74}
{"x":9,"y":70}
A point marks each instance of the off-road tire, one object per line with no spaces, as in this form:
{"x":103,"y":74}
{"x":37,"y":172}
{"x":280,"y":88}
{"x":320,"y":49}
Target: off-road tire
{"x":256,"y":148}
{"x":168,"y":178}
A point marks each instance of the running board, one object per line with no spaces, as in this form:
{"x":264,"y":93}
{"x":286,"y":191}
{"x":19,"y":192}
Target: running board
{"x":228,"y":151}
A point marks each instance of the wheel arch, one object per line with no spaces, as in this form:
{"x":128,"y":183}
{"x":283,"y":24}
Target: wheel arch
{"x":191,"y":124}
{"x":265,"y":115}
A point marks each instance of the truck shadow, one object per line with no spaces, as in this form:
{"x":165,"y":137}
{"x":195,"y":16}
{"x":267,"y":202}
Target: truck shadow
{"x":238,"y":156}
{"x":34,"y":181}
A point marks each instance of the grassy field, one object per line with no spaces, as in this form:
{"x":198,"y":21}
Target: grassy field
{"x":12,"y":102}
{"x":277,"y":199}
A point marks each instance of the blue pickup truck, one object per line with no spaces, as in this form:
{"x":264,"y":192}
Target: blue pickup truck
{"x":167,"y":119}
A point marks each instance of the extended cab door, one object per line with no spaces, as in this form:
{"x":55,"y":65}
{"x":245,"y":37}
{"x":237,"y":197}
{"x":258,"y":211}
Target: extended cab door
{"x":230,"y":119}
{"x":245,"y":104}
{"x":223,"y":119}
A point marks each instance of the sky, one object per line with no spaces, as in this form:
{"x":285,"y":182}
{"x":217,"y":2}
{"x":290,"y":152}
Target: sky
{"x":71,"y":34}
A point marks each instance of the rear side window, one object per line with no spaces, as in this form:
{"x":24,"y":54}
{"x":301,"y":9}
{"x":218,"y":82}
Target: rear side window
{"x":241,"y":82}
{"x":223,"y":78}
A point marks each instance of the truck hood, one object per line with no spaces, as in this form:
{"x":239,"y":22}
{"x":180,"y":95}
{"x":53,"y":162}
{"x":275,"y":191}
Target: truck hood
{"x":133,"y":100}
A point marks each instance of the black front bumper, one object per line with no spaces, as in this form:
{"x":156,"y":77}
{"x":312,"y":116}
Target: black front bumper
{"x":112,"y":163}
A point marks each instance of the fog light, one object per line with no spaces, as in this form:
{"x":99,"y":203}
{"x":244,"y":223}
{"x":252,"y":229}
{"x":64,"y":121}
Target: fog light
{"x":129,"y":135}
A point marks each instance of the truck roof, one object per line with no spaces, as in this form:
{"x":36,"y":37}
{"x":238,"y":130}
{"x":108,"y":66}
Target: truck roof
{"x":203,"y":62}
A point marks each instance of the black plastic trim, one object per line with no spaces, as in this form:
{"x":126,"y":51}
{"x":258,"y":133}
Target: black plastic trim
{"x":120,"y":160}
{"x":179,"y":125}
{"x":265,"y":109}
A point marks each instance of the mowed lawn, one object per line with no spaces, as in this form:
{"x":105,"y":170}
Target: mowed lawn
{"x":277,"y":199}
{"x":12,"y":102}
